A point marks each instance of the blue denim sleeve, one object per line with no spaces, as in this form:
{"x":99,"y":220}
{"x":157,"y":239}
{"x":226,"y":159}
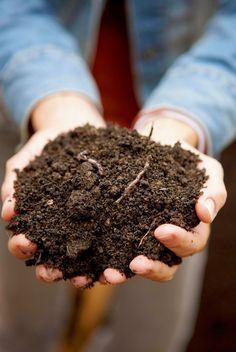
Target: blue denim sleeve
{"x":38,"y":57}
{"x":202,"y":82}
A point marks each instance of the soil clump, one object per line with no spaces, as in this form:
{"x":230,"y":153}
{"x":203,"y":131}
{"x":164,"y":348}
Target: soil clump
{"x":94,"y":197}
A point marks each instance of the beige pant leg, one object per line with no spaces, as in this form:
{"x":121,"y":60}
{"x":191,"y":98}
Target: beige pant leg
{"x":32,"y":314}
{"x":152,"y":317}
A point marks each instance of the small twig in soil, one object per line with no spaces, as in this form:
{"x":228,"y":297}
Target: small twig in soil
{"x":39,"y":258}
{"x":151,"y":132}
{"x":83,"y":156}
{"x":132,"y":184}
{"x":50,"y":202}
{"x":147,"y":233}
{"x":68,"y":251}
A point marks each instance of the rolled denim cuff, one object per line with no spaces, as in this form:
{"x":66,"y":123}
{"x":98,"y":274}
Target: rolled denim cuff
{"x":206,"y":95}
{"x":35,"y":73}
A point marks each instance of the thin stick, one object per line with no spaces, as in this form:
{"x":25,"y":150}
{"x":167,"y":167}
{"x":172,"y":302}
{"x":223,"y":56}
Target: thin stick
{"x":147,"y":233}
{"x":39,"y":258}
{"x":132,"y":184}
{"x":151,"y":132}
{"x":83,"y":156}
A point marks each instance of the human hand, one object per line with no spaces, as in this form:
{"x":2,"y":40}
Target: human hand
{"x":54,"y":115}
{"x":183,"y":243}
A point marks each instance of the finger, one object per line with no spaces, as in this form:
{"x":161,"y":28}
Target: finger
{"x":113,"y":276}
{"x":48,"y":275}
{"x":152,"y":270}
{"x":102,"y":279}
{"x":80,"y":281}
{"x":27,"y":153}
{"x":18,"y":161}
{"x":21,"y":247}
{"x":7,"y":190}
{"x":8,"y":208}
{"x":183,"y":243}
{"x":214,"y":194}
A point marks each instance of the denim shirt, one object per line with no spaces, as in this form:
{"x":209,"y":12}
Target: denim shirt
{"x":183,"y":56}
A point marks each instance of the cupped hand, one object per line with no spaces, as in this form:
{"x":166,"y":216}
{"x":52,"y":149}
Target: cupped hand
{"x":183,"y":243}
{"x":54,"y":115}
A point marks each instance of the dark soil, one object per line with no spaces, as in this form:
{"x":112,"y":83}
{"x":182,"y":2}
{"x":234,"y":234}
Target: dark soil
{"x":93,"y":198}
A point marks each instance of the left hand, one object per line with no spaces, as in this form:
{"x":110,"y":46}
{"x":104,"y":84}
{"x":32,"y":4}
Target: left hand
{"x":183,"y":243}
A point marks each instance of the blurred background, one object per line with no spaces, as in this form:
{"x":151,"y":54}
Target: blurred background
{"x":82,"y":313}
{"x":87,"y":310}
{"x":216,"y":324}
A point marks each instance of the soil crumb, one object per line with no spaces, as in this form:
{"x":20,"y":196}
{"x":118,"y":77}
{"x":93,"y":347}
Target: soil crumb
{"x":94,"y":197}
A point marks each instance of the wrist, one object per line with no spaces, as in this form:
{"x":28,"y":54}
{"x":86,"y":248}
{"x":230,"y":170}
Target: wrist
{"x":168,"y":131}
{"x":65,"y":111}
{"x":170,"y":126}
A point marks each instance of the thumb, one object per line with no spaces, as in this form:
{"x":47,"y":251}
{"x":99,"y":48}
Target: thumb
{"x":27,"y":153}
{"x":214,"y":194}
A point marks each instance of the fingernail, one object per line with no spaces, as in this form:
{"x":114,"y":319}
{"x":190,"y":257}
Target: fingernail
{"x":53,"y":274}
{"x":27,"y":253}
{"x":5,"y":206}
{"x":81,"y":281}
{"x":140,"y":265}
{"x":210,"y":205}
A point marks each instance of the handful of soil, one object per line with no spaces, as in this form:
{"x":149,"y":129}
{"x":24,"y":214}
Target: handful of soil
{"x":94,"y":197}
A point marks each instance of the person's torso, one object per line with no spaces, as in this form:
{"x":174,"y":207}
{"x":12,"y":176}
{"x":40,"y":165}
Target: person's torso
{"x":159,"y":31}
